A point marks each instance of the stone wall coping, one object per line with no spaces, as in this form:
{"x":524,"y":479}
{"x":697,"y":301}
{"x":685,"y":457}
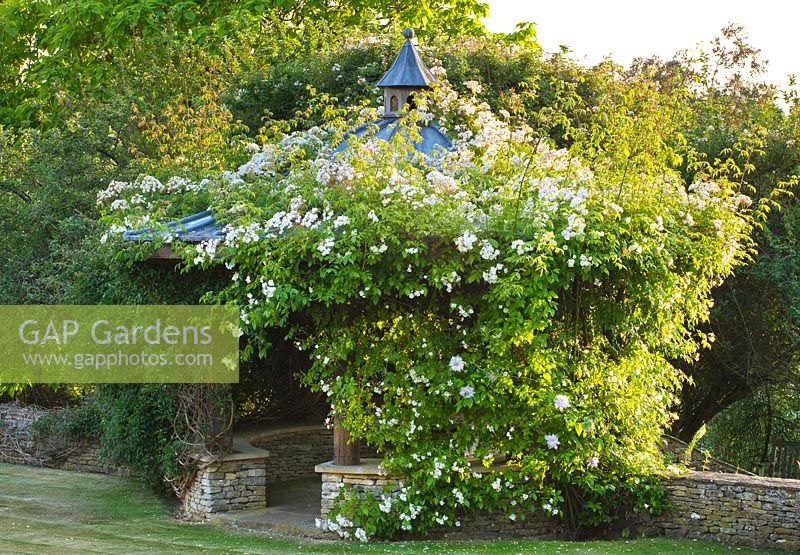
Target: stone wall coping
{"x":242,"y":445}
{"x":746,"y":480}
{"x":368,"y":467}
{"x":252,"y":434}
{"x":256,"y":455}
{"x":372,"y":467}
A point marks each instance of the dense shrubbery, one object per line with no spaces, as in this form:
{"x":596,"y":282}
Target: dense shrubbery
{"x":530,"y":315}
{"x":137,"y":430}
{"x":50,"y":53}
{"x":80,"y":421}
{"x":156,"y":104}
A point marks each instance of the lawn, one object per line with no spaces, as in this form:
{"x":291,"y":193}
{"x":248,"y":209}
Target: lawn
{"x":52,"y":511}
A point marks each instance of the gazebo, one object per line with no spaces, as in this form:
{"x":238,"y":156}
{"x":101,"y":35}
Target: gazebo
{"x":407,"y":75}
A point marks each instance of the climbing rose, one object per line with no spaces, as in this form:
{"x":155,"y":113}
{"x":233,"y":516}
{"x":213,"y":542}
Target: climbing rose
{"x":465,"y":241}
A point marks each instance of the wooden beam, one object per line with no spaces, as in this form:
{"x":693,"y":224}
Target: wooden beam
{"x":346,"y":451}
{"x":165,"y":252}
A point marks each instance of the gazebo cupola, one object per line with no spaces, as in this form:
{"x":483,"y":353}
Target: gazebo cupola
{"x":407,"y":75}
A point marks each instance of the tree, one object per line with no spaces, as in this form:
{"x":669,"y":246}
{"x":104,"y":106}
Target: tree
{"x":737,"y":121}
{"x":50,"y":51}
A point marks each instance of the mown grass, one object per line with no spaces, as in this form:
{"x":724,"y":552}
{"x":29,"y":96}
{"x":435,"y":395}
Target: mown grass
{"x":51,"y":511}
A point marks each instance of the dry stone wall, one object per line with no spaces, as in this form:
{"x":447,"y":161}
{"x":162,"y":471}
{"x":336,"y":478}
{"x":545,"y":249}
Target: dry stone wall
{"x":696,"y":459}
{"x":17,"y":438}
{"x":733,"y":508}
{"x":294,"y":451}
{"x":366,"y":479}
{"x":85,"y":457}
{"x":496,"y":525}
{"x":363,"y":478}
{"x":262,"y":457}
{"x":230,"y":485}
{"x":736,"y":509}
{"x":20,"y":444}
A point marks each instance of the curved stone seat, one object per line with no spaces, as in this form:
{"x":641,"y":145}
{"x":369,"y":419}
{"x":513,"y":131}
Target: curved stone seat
{"x":260,"y":455}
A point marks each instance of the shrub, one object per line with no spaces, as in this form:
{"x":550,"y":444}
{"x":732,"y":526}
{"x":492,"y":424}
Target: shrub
{"x":137,"y":430}
{"x":503,"y":301}
{"x":73,"y":422}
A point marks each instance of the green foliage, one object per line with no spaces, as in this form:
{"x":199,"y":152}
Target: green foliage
{"x":49,"y":179}
{"x":591,"y":504}
{"x":138,"y":430}
{"x":164,"y":109}
{"x":51,"y":51}
{"x":530,"y":316}
{"x":693,"y":444}
{"x":288,"y":86}
{"x":736,"y":123}
{"x":747,"y":433}
{"x":80,"y":421}
{"x":146,"y":428}
{"x":514,"y":77}
{"x":12,"y":390}
{"x":159,"y":430}
{"x":54,"y":176}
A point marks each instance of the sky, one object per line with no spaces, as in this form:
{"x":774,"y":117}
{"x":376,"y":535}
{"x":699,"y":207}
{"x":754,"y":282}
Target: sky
{"x":626,"y":29}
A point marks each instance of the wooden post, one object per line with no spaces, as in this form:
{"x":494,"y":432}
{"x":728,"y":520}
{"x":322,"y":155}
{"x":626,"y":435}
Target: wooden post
{"x":344,"y":452}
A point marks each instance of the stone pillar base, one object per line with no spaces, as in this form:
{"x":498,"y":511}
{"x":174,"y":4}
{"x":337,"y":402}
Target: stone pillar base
{"x":367,"y":477}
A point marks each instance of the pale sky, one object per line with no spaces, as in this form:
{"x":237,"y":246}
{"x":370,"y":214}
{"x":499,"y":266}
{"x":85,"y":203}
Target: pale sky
{"x":626,"y":29}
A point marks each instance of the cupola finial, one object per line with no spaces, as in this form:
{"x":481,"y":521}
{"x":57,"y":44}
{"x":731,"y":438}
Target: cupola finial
{"x":407,"y":75}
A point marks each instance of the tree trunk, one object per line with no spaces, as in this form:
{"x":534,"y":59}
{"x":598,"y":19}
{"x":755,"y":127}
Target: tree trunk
{"x":767,"y":433}
{"x":712,"y":393}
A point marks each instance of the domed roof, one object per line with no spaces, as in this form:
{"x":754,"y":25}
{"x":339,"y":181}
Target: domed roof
{"x":408,"y":69}
{"x":432,"y":139}
{"x":192,"y":229}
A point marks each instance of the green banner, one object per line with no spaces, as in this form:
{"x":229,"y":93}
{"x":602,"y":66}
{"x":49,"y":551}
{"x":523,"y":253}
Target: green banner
{"x":119,"y":344}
